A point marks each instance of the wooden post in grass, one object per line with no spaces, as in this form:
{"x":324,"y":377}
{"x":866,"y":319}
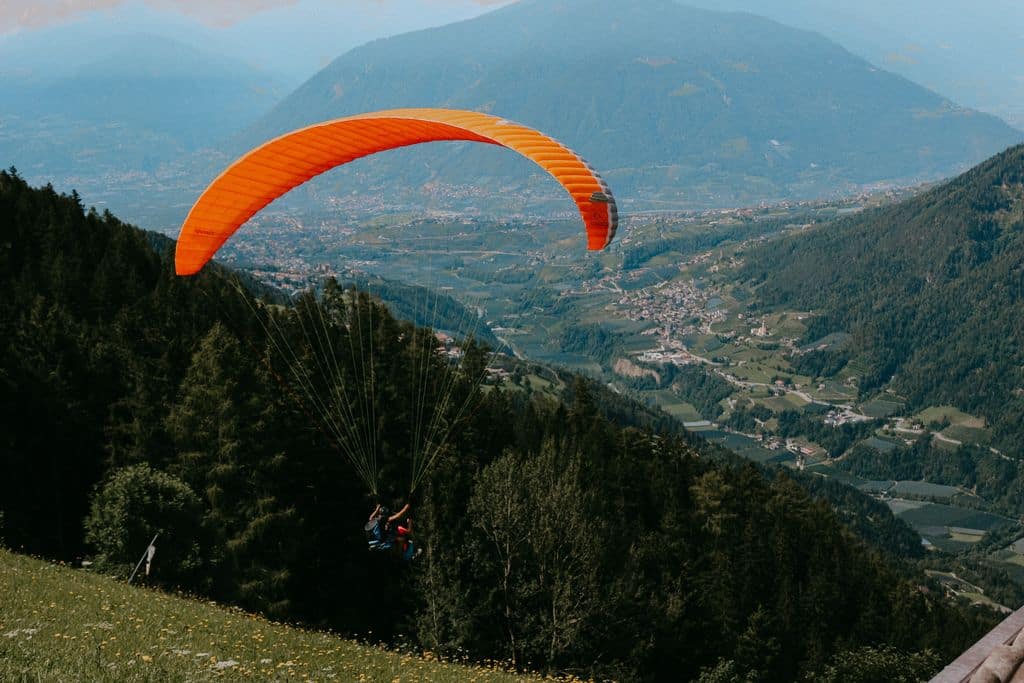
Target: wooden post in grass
{"x":145,"y":553}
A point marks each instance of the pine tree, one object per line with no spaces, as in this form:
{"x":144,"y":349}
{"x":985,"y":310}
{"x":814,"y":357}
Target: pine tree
{"x":218,"y":429}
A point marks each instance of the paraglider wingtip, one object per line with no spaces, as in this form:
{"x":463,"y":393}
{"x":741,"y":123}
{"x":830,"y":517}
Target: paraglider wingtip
{"x":181,"y":267}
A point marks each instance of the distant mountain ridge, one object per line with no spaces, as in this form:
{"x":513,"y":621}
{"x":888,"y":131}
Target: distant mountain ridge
{"x":930,"y":289}
{"x":671,"y":103}
{"x":966,"y":56}
{"x":128,"y":104}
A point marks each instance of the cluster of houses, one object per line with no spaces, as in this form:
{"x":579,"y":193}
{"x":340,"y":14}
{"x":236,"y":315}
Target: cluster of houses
{"x":672,"y":305}
{"x":447,"y":347}
{"x":662,"y":356}
{"x":775,"y":443}
{"x":844,"y":415}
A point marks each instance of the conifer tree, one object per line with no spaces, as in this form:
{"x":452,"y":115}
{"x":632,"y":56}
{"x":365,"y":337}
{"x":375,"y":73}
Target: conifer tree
{"x":218,"y":427}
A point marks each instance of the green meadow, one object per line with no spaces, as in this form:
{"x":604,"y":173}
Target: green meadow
{"x":63,"y":624}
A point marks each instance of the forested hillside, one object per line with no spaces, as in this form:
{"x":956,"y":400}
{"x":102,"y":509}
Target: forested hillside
{"x":930,"y":290}
{"x":556,"y":537}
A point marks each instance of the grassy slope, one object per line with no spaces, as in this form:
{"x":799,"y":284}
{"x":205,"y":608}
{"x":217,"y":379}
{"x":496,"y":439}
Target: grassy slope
{"x":62,"y":624}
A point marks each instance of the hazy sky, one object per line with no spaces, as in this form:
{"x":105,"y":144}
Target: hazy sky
{"x":29,"y":14}
{"x":294,"y":38}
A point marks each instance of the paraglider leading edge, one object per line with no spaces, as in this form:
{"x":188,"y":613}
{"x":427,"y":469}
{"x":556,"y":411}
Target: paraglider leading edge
{"x":276,"y":167}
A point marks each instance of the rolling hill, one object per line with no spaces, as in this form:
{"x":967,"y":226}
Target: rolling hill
{"x":676,"y":106}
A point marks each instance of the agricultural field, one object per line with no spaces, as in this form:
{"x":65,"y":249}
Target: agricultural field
{"x":746,"y":447}
{"x":759,"y":373}
{"x":786,"y":324}
{"x":835,"y":392}
{"x":62,"y":624}
{"x":938,"y":514}
{"x":837,"y":474}
{"x":855,"y":368}
{"x":924,"y":489}
{"x":899,"y":506}
{"x":674,"y":406}
{"x":955,"y":417}
{"x":880,"y":444}
{"x":830,"y":342}
{"x":965,"y":434}
{"x":965,"y":535}
{"x":879,"y":408}
{"x":876,"y":486}
{"x":938,"y":522}
{"x":785,"y":402}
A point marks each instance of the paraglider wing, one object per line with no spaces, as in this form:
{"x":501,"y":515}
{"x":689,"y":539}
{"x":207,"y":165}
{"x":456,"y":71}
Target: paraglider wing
{"x":272,"y":169}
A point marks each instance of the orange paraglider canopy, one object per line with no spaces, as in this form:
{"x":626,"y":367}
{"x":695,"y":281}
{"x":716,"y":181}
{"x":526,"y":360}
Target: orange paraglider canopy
{"x":274,"y":168}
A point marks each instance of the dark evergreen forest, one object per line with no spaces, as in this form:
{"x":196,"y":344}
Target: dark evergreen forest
{"x":584,"y":535}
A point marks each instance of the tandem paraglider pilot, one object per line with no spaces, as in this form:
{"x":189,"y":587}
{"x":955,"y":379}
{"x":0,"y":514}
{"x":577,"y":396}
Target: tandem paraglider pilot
{"x":391,"y":532}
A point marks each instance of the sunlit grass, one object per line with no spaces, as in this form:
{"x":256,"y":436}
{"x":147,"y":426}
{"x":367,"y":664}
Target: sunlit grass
{"x":61,"y":624}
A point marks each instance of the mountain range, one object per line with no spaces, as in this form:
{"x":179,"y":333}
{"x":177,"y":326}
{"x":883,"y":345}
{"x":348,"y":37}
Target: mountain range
{"x":676,"y":106}
{"x":973,"y":57}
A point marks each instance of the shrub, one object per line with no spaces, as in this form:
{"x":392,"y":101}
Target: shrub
{"x":134,"y":504}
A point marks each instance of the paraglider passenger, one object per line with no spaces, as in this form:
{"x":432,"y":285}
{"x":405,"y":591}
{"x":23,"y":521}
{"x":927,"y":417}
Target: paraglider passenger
{"x":391,"y":532}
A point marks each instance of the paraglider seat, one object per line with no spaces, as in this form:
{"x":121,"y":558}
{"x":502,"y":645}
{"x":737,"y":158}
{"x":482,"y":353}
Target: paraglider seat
{"x":377,"y":536}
